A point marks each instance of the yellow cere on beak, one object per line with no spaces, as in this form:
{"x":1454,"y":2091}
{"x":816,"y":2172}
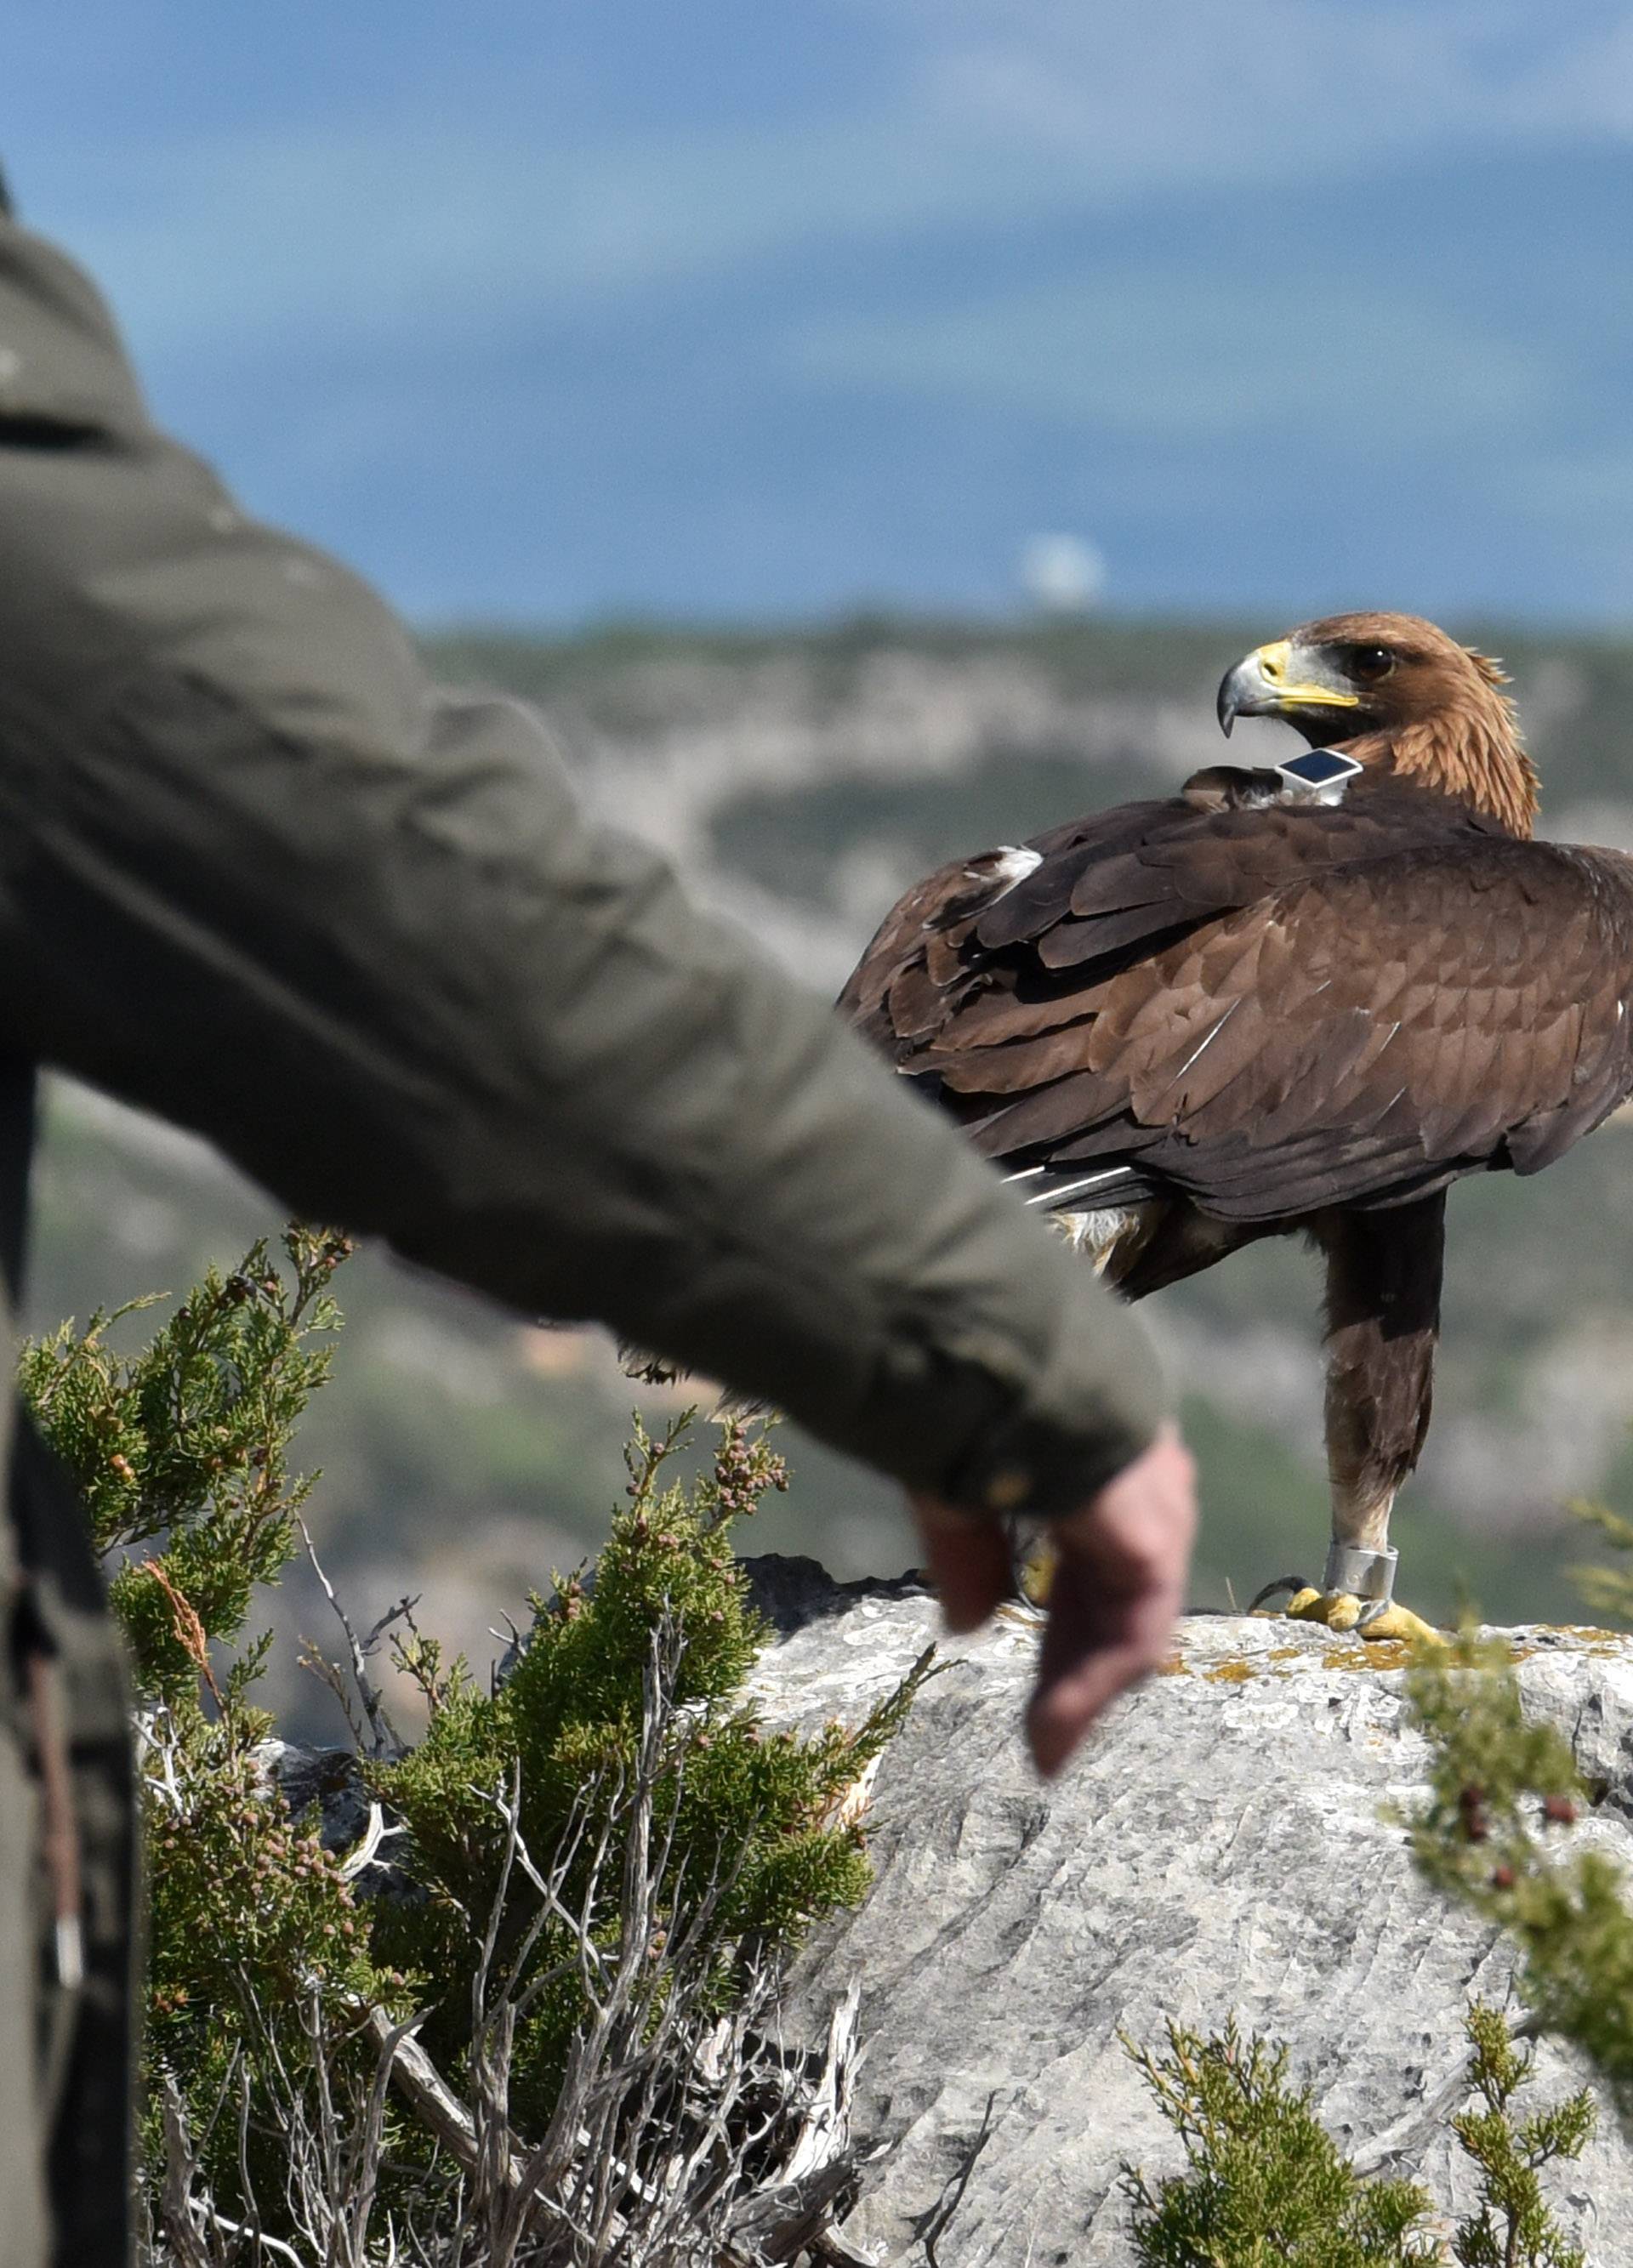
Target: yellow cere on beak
{"x":1274,"y":664}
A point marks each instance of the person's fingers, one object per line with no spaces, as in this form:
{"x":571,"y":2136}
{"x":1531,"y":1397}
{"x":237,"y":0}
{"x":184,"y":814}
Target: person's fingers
{"x":1115,"y":1596}
{"x":1093,"y":1650}
{"x":969,"y":1563}
{"x":1063,"y":1708}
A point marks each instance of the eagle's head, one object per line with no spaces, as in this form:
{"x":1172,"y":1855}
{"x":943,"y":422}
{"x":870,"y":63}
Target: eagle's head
{"x":1396,"y":692}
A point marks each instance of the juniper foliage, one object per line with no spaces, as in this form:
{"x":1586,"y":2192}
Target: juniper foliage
{"x":1502,"y":1790}
{"x":1514,"y":2227}
{"x":1265,"y":2184}
{"x":761,"y":1817}
{"x":275,"y":1992}
{"x":181,"y":1449}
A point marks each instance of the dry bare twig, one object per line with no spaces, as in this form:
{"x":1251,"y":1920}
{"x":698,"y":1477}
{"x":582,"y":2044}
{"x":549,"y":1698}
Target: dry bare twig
{"x":382,"y":1739}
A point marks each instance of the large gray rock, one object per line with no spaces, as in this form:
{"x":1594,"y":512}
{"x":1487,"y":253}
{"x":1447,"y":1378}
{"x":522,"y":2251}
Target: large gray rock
{"x":1221,"y":1846}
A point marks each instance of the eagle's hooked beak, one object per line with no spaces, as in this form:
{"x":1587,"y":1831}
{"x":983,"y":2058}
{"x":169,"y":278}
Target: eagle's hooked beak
{"x":1281,"y":680}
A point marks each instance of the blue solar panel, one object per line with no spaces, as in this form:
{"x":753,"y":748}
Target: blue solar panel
{"x":1319,"y":767}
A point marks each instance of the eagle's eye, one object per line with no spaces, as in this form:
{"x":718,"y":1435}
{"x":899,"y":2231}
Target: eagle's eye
{"x":1369,"y":665}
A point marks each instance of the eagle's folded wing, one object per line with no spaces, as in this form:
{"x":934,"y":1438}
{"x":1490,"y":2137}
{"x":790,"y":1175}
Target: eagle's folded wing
{"x":1423,"y":997}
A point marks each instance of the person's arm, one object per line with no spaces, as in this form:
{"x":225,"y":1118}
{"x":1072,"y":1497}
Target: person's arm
{"x":259,"y":875}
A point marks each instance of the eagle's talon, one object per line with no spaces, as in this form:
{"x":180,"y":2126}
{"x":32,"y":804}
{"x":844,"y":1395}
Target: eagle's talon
{"x":1295,"y":1584}
{"x":1391,"y":1620}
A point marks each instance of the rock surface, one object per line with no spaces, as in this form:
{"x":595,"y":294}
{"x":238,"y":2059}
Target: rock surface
{"x":1219,"y":1847}
{"x":330,"y":1781}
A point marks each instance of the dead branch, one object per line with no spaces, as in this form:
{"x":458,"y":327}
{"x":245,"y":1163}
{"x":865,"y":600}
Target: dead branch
{"x":385,"y":1742}
{"x":422,"y":2085}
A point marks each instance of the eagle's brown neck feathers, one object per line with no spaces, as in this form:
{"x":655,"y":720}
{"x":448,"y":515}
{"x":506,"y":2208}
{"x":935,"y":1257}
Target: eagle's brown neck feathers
{"x":1468,"y":746}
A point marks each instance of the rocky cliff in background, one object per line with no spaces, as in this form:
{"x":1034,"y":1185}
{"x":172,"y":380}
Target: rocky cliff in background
{"x":1219,"y":1847}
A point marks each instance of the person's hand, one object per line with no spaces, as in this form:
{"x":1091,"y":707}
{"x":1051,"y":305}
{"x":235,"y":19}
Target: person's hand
{"x":1115,"y":1594}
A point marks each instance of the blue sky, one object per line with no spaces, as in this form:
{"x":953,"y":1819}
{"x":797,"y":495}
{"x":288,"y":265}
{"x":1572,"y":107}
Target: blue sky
{"x":546,"y":309}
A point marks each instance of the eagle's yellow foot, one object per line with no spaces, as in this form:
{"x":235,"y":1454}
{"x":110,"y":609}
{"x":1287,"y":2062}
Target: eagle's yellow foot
{"x":1336,"y":1610}
{"x":1034,"y":1570}
{"x":1032,"y":1558}
{"x":1341,"y":1610}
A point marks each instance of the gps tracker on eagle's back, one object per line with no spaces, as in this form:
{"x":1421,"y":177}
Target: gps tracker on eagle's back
{"x":1321,"y":774}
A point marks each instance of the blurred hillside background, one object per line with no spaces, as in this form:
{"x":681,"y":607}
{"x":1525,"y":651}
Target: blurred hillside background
{"x":995,"y":371}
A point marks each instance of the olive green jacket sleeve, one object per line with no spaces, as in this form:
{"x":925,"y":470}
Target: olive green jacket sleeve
{"x":258,"y":874}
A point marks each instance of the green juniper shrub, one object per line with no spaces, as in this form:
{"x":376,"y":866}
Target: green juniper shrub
{"x":1265,"y":2182}
{"x":268,"y":1976}
{"x":1514,"y":2228}
{"x":1501,"y":1789}
{"x":180,"y":1450}
{"x":1265,"y":2185}
{"x":253,"y":1936}
{"x":760,"y":1817}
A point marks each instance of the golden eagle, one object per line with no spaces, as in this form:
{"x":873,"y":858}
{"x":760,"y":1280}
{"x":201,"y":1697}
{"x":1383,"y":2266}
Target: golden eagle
{"x":1304,"y":998}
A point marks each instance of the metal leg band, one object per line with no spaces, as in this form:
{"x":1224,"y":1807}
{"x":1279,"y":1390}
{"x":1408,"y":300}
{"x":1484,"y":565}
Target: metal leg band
{"x":1362,"y":1572}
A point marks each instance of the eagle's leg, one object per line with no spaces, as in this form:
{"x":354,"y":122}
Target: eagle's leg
{"x":1383,"y":1321}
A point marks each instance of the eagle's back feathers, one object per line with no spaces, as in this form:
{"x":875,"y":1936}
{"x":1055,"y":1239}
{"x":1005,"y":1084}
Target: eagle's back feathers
{"x":1269,"y":1008}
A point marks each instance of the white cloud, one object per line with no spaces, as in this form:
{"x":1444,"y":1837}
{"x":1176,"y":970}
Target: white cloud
{"x":1263,"y":83}
{"x":1161,"y":355}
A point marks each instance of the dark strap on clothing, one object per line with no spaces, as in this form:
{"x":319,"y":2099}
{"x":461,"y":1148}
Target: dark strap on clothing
{"x":87,"y":2035}
{"x":19,"y":1088}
